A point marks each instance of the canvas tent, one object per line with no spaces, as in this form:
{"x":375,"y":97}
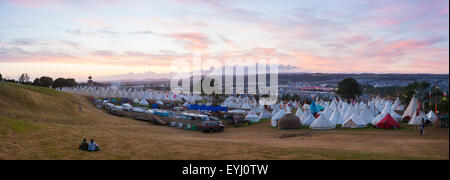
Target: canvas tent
{"x":410,"y":110}
{"x":397,"y":105}
{"x":378,"y":118}
{"x":276,"y":117}
{"x":313,"y":108}
{"x":143,"y":102}
{"x":417,"y":118}
{"x":299,"y":112}
{"x":355,"y":119}
{"x":336,"y":117}
{"x":350,"y":124}
{"x":322,"y":123}
{"x":265,"y":114}
{"x":366,"y":116}
{"x":431,"y":116}
{"x":289,"y":121}
{"x":307,"y":118}
{"x":252,"y":117}
{"x":388,"y":123}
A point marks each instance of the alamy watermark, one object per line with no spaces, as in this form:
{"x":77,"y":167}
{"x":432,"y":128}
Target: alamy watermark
{"x":262,"y":77}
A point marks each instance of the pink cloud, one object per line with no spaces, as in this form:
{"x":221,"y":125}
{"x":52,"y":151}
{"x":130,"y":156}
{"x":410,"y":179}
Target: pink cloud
{"x":192,"y":41}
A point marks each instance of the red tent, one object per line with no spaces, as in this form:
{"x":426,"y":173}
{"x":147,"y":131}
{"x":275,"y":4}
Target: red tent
{"x":388,"y":123}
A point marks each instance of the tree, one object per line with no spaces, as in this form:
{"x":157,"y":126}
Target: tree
{"x":1,"y":77}
{"x":36,"y":82}
{"x":45,"y":81}
{"x":349,"y":88}
{"x":61,"y":82}
{"x":421,"y":89}
{"x":295,"y":97}
{"x":24,"y":78}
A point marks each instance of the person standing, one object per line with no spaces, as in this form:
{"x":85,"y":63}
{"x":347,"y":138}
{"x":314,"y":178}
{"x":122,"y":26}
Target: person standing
{"x":422,"y":127}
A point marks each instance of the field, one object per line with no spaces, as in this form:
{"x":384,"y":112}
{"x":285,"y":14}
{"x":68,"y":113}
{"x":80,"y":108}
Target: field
{"x":40,"y":123}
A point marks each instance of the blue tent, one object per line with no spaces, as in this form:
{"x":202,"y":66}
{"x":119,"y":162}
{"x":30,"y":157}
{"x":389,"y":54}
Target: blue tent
{"x":207,"y":108}
{"x":321,"y":108}
{"x":155,"y":106}
{"x":313,"y":108}
{"x":125,"y":100}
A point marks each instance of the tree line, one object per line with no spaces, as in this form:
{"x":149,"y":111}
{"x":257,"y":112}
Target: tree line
{"x":44,"y":81}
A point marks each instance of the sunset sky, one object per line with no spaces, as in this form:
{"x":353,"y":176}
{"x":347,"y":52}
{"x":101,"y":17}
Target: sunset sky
{"x":118,"y":37}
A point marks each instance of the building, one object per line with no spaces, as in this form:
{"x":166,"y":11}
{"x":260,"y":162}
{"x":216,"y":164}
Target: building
{"x":90,"y":82}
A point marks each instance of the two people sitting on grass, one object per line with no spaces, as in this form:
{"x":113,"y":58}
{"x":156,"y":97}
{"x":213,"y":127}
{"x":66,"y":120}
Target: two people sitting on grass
{"x":92,"y":146}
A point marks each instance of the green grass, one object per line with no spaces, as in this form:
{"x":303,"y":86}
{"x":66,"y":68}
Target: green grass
{"x":17,"y":125}
{"x":38,"y":89}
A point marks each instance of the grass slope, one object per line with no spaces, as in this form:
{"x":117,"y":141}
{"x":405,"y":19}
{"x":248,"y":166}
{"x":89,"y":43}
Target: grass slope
{"x":40,"y":123}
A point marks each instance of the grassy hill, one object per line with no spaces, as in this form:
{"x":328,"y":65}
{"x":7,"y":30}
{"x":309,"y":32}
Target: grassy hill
{"x":40,"y":123}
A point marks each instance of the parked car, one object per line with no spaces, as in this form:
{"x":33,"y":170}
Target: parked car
{"x":212,"y":126}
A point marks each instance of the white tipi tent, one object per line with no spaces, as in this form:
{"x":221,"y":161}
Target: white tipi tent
{"x":336,"y":117}
{"x":307,"y":118}
{"x":299,"y":112}
{"x":431,"y":116}
{"x":350,"y":124}
{"x":366,"y":116}
{"x":417,"y":118}
{"x":277,"y":117}
{"x":252,"y":117}
{"x":265,"y":114}
{"x":322,"y":123}
{"x":411,"y":109}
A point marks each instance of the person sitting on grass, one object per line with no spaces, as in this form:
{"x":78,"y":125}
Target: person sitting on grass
{"x":93,"y":146}
{"x":84,"y":145}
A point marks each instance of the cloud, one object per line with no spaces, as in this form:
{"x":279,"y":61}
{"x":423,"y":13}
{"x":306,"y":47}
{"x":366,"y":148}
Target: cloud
{"x":25,"y":42}
{"x":140,"y":32}
{"x":150,"y":75}
{"x":191,"y":40}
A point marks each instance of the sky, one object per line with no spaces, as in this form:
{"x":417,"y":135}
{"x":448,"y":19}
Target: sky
{"x":147,"y":39}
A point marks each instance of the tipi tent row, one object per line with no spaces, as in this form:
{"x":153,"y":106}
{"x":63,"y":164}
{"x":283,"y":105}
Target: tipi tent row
{"x":415,"y":115}
{"x":326,"y":115}
{"x":130,"y":93}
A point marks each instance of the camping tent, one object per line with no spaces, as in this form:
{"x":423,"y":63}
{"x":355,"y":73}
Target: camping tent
{"x":299,"y":112}
{"x":397,"y":105}
{"x":313,"y":108}
{"x":322,"y":123}
{"x":289,"y":121}
{"x":336,"y":117}
{"x":431,"y":116}
{"x":276,"y":117}
{"x":411,"y":109}
{"x":252,"y":117}
{"x":388,"y":123}
{"x":366,"y":116}
{"x":417,"y":118}
{"x":265,"y":114}
{"x":327,"y":112}
{"x":355,"y":119}
{"x":378,"y":118}
{"x":143,"y":102}
{"x":396,"y":116}
{"x":307,"y":118}
{"x":350,"y":124}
